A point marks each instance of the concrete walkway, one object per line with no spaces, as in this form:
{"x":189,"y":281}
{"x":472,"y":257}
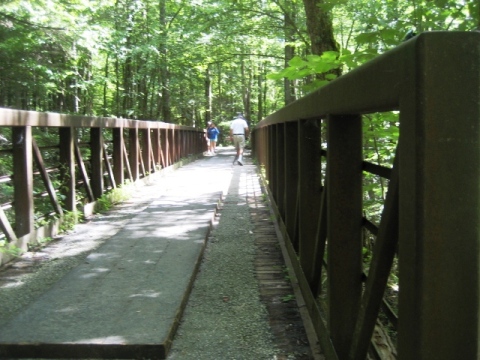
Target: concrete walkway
{"x":126,"y":297}
{"x":129,"y":293}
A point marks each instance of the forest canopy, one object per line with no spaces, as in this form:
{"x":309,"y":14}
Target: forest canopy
{"x":190,"y":61}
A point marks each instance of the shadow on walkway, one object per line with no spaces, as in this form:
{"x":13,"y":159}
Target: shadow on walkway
{"x":118,"y":286}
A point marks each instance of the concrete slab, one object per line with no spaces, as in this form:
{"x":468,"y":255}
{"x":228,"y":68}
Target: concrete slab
{"x":126,"y":299}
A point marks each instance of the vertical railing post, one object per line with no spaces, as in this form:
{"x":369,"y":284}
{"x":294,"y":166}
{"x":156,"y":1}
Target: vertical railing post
{"x":23,"y":178}
{"x":133,"y":153}
{"x":118,"y":165}
{"x":253,"y":142}
{"x":291,"y":180}
{"x":188,"y":142}
{"x":67,"y":166}
{"x":164,"y":146}
{"x":268,"y":154}
{"x":174,"y":145}
{"x":265,"y":147}
{"x":344,"y":218}
{"x":272,"y":163}
{"x":280,"y":175}
{"x":439,"y":208}
{"x":309,"y":192}
{"x":146,"y":149}
{"x":96,"y":159}
{"x":156,"y":148}
{"x":171,"y":145}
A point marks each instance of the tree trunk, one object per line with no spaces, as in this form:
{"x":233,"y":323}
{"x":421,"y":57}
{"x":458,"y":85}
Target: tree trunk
{"x":289,"y":31}
{"x":319,"y":27}
{"x":246,"y":88}
{"x":164,"y":73}
{"x":208,"y":96}
{"x":260,"y":92}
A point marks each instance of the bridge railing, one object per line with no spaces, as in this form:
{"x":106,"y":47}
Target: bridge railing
{"x":430,"y":224}
{"x":52,"y":164}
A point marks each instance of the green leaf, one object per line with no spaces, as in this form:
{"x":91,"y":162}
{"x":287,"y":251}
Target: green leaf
{"x":330,"y":55}
{"x":365,"y":38}
{"x":296,"y":61}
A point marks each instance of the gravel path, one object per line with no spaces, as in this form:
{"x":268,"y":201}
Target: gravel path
{"x":224,"y":318}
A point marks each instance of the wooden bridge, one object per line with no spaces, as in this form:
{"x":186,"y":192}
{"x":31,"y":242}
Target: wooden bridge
{"x":310,"y":154}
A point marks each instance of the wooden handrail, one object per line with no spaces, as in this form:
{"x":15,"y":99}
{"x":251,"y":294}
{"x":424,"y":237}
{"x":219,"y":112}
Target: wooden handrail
{"x":431,"y":214}
{"x":128,"y":158}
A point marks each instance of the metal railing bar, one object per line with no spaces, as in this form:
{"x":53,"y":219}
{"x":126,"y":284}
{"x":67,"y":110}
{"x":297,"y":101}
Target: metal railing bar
{"x":375,"y":169}
{"x":380,"y":266}
{"x":370,"y":226}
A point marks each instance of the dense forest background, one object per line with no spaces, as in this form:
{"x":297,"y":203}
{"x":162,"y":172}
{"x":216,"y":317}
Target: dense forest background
{"x":190,"y":61}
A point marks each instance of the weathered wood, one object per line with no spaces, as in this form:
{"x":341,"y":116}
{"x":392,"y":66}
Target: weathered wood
{"x":167,"y":147}
{"x":141,"y":152}
{"x":96,"y":161}
{"x":172,"y":149}
{"x":10,"y":117}
{"x":320,"y":244}
{"x":118,"y":155}
{"x":23,"y":178}
{"x":127,"y":163}
{"x":272,"y":155}
{"x":67,"y":167}
{"x":46,"y":179}
{"x":438,"y":188}
{"x":380,"y":266}
{"x":164,"y":148}
{"x":7,"y":227}
{"x":133,"y":153}
{"x":291,"y":181}
{"x":156,"y":149}
{"x":83,"y":172}
{"x":309,"y":160}
{"x":280,"y":153}
{"x":344,"y":203}
{"x":111,"y":176}
{"x":152,"y":161}
{"x":439,"y":242}
{"x":146,"y":149}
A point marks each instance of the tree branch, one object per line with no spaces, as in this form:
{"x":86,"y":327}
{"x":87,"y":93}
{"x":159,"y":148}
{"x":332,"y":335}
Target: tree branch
{"x":28,"y":23}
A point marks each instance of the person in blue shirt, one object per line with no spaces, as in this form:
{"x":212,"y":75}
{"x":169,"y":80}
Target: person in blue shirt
{"x":212,"y":134}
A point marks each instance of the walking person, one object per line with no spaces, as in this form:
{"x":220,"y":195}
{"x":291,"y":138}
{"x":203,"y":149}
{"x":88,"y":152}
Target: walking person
{"x":238,"y":134}
{"x":212,"y":134}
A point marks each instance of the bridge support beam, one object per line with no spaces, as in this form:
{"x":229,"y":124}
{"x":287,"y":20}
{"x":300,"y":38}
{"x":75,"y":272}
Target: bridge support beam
{"x":309,"y":193}
{"x":344,"y":218}
{"x":96,"y":143}
{"x":439,"y":304}
{"x":291,"y":179}
{"x":67,"y":166}
{"x":22,"y":163}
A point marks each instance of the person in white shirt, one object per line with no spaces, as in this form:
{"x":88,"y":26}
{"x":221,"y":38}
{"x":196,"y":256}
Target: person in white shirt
{"x":238,"y":134}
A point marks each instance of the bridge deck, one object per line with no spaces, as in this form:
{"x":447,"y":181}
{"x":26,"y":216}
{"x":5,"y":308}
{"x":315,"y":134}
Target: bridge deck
{"x":128,"y":294}
{"x":126,"y":297}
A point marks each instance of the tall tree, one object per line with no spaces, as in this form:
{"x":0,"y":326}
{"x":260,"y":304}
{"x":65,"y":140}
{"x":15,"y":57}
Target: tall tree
{"x":320,"y":28}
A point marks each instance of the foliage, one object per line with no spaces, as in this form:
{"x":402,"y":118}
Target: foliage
{"x":364,"y":29}
{"x":116,"y":59}
{"x":69,"y":220}
{"x":9,"y":249}
{"x":117,"y":195}
{"x":312,"y":64}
